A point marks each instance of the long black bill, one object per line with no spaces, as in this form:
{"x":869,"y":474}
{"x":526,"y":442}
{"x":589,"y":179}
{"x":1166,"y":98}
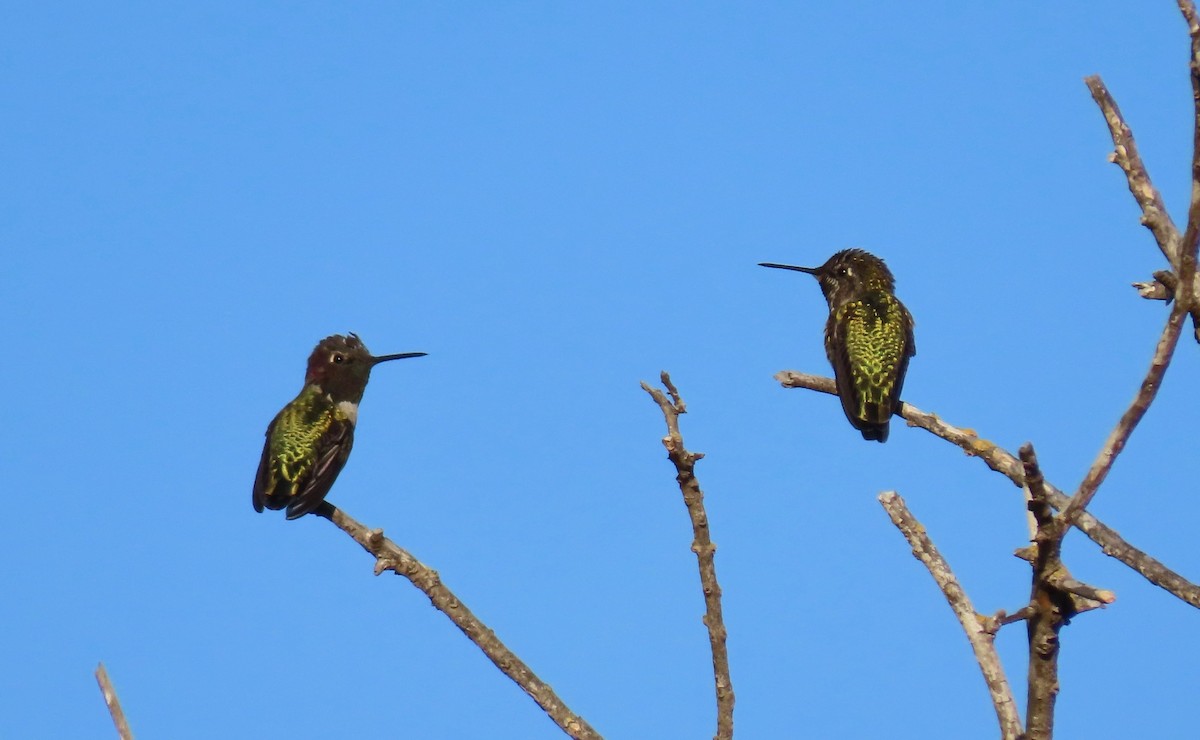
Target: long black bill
{"x":402,"y":356}
{"x":809,"y":270}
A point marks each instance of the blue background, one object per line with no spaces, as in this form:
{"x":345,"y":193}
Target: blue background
{"x":555,"y":201}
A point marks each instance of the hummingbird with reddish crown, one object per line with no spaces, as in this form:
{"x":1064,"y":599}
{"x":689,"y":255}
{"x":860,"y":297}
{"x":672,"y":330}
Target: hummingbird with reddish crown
{"x":868,"y":337}
{"x":309,"y":440}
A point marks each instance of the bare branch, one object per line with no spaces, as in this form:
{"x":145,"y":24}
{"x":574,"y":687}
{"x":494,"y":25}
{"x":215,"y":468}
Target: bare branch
{"x":1005,"y":463}
{"x":1090,"y":597}
{"x":1046,"y":528}
{"x":1036,"y":483}
{"x":1127,"y":157}
{"x":1154,"y":213}
{"x":390,"y":556}
{"x":1129,"y":420}
{"x":1055,"y":598}
{"x":1003,"y":618}
{"x":1051,"y":608}
{"x":1162,"y":288}
{"x":1186,"y":264}
{"x":702,"y":545}
{"x":113,"y":703}
{"x":981,"y":638}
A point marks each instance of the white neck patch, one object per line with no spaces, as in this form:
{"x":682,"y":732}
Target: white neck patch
{"x":349,"y":409}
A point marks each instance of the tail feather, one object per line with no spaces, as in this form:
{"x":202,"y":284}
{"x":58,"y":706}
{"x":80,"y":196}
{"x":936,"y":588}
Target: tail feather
{"x":874,"y":423}
{"x":877,"y":432}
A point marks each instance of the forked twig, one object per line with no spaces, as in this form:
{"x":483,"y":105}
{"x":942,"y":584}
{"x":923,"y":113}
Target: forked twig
{"x":702,"y":545}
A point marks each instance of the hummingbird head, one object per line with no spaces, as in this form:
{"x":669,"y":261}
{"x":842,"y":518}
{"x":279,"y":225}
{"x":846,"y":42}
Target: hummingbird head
{"x":341,"y":366}
{"x":847,"y":275}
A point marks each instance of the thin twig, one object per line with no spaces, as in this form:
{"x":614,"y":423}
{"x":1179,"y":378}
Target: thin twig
{"x":113,"y":703}
{"x":1002,"y":618}
{"x":1162,"y":288}
{"x":1129,"y":420}
{"x":1005,"y":463}
{"x":390,"y":556}
{"x":702,"y":545}
{"x":981,"y":639}
{"x":1089,"y":597}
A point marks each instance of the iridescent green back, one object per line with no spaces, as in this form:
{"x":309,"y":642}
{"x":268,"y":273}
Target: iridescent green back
{"x":869,"y":341}
{"x":307,"y":445}
{"x":293,"y":444}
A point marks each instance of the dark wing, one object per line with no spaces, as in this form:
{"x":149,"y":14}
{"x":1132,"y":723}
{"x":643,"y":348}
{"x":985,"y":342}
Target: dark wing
{"x":910,"y":350}
{"x":264,"y":483}
{"x":333,"y":450}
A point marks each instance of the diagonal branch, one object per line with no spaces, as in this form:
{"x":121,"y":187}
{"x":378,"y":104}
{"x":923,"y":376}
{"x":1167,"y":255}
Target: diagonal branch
{"x":390,"y":556}
{"x":982,"y":639}
{"x":1126,"y":156}
{"x":1005,"y":463}
{"x":702,"y":545}
{"x":114,"y":704}
{"x":1129,"y":420}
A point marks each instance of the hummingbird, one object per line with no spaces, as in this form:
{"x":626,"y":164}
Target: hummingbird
{"x":309,"y":440}
{"x":868,"y":337}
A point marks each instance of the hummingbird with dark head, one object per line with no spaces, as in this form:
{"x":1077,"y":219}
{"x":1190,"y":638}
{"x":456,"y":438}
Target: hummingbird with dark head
{"x":868,"y":337}
{"x":309,"y":440}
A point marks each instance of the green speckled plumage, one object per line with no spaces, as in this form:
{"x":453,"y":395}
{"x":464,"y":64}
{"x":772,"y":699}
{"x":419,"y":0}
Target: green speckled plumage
{"x":307,"y":445}
{"x":868,"y":342}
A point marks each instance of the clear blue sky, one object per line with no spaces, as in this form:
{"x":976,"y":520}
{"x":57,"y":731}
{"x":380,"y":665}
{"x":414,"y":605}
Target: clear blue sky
{"x":555,"y":201}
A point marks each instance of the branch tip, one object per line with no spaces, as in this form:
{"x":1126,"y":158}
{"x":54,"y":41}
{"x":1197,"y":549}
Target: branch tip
{"x":704,"y":548}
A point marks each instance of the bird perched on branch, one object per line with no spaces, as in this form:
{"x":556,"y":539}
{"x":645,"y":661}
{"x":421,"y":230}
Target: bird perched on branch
{"x":309,"y":440}
{"x":868,"y":337}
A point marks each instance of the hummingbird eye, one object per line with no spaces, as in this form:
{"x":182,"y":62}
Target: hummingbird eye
{"x":338,"y":358}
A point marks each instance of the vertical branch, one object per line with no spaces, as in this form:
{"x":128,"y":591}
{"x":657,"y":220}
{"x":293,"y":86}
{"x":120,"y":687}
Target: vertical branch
{"x":1049,"y":613}
{"x":1191,"y":236}
{"x":982,"y":640}
{"x":390,"y":556}
{"x":1055,"y":598}
{"x":113,"y":703}
{"x":702,"y":545}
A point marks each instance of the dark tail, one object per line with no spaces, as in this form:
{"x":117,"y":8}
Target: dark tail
{"x":877,"y":432}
